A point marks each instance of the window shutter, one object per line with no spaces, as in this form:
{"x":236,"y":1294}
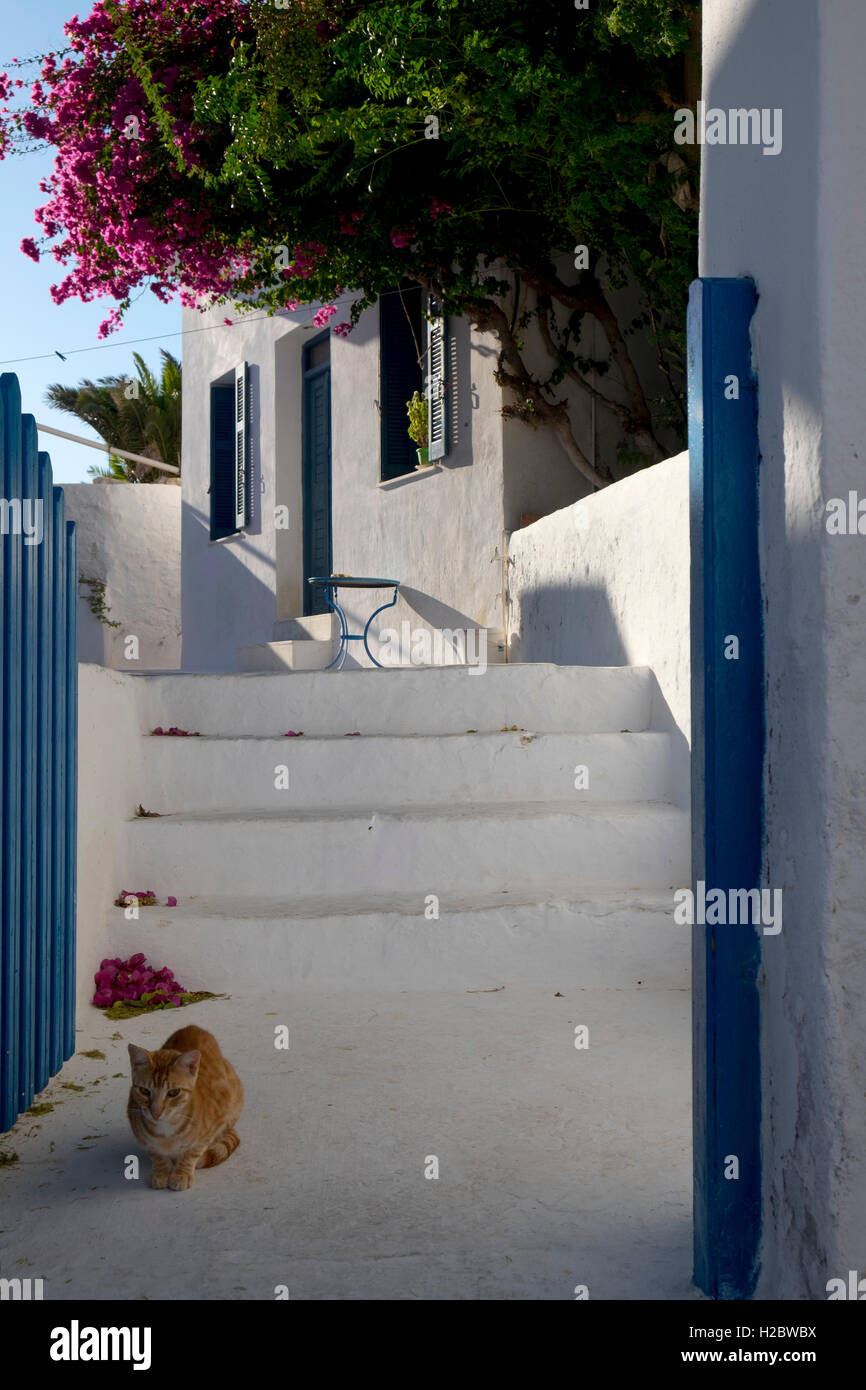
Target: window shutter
{"x":222,"y":462}
{"x":401,"y":376}
{"x":437,"y":382}
{"x":242,"y":446}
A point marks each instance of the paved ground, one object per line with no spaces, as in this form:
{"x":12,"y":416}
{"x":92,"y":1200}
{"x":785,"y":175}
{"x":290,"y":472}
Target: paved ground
{"x":557,"y":1166}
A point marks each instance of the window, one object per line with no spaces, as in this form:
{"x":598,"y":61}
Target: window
{"x":402,"y":338}
{"x":230,"y":454}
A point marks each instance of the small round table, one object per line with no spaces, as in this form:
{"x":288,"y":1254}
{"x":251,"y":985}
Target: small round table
{"x":330,"y":585}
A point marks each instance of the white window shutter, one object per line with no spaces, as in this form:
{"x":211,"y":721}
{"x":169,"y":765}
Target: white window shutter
{"x":437,"y":375}
{"x":242,"y":445}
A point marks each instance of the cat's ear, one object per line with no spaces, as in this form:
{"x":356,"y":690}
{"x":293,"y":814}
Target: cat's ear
{"x":138,"y":1056}
{"x":188,"y":1062}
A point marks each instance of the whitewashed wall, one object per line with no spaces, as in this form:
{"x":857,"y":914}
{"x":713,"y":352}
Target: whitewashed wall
{"x":605,"y":582}
{"x":129,"y":539}
{"x":229,"y":586}
{"x":795,"y":222}
{"x":109,"y":789}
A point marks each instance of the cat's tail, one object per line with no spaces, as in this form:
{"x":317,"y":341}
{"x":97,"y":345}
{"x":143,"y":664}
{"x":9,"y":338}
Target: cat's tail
{"x":221,"y":1150}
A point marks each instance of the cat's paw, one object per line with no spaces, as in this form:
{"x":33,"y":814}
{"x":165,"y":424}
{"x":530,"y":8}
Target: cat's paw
{"x":179,"y":1182}
{"x":159,"y":1179}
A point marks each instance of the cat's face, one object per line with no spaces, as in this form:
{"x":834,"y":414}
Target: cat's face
{"x":162,"y":1082}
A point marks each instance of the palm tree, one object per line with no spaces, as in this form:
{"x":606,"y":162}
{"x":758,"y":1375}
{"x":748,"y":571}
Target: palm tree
{"x":141,"y":414}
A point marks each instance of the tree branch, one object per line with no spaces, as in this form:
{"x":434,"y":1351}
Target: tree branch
{"x":513,"y":373}
{"x":592,"y":301}
{"x":543,"y":312}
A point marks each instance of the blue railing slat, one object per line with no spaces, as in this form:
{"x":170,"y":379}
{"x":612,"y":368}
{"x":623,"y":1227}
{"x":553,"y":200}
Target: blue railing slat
{"x":10,"y":959}
{"x":46,"y":802}
{"x":58,"y":838}
{"x":29,"y":769}
{"x":71,"y":811}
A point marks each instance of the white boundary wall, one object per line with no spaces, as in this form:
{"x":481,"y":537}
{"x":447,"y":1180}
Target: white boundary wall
{"x":129,"y":539}
{"x":109,"y":786}
{"x":605,"y":582}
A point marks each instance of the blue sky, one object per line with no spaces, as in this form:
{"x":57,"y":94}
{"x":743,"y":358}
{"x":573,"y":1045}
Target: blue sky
{"x":31,"y":324}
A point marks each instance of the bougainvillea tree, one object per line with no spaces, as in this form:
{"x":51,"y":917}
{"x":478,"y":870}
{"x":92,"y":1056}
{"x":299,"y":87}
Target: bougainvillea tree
{"x":516,"y":157}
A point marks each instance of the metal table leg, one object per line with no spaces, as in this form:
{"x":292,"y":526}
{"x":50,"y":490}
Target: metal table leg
{"x":369,"y":621}
{"x":344,"y":631}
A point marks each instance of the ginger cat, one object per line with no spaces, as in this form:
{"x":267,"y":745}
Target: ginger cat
{"x":184,"y":1103}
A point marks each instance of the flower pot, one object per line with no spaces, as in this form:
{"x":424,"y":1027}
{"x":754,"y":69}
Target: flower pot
{"x":423,"y":457}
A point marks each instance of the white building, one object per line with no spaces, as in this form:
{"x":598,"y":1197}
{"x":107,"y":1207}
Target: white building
{"x":331,"y":482}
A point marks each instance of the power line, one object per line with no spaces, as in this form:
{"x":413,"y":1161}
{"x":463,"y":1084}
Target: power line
{"x":178,"y":333}
{"x":154,"y":337}
{"x":125,"y":342}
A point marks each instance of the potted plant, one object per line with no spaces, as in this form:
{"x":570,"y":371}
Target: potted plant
{"x":417,"y":411}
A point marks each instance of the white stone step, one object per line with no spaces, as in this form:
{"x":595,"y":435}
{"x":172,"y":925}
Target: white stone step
{"x":541,"y":698}
{"x":320,"y":627}
{"x":380,"y":771}
{"x":306,"y":654}
{"x":480,"y":941}
{"x":424,"y":849}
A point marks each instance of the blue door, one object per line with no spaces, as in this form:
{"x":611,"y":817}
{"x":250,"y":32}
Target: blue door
{"x":317,"y":468}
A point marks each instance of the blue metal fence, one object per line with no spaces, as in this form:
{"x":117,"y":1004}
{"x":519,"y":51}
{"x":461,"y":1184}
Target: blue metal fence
{"x":38,"y":724}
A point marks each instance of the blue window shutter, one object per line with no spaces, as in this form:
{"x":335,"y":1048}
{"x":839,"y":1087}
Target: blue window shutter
{"x":242,"y":446}
{"x":222,"y":461}
{"x":230,"y":455}
{"x":401,"y":341}
{"x":437,"y":382}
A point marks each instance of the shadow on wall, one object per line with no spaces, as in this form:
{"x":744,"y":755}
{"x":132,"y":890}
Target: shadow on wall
{"x":578,"y":627}
{"x":433,"y":613}
{"x":569,"y":626}
{"x":227,"y":606}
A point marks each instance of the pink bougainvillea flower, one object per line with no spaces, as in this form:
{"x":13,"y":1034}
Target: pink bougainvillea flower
{"x":118,"y":213}
{"x":342,"y":330}
{"x":295,"y":734}
{"x":134,"y":979}
{"x":144,"y":896}
{"x":401,"y":236}
{"x":356,"y":734}
{"x":439,"y":209}
{"x":171,"y":902}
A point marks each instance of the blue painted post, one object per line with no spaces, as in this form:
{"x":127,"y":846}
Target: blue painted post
{"x":10,"y":915}
{"x":727,"y":780}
